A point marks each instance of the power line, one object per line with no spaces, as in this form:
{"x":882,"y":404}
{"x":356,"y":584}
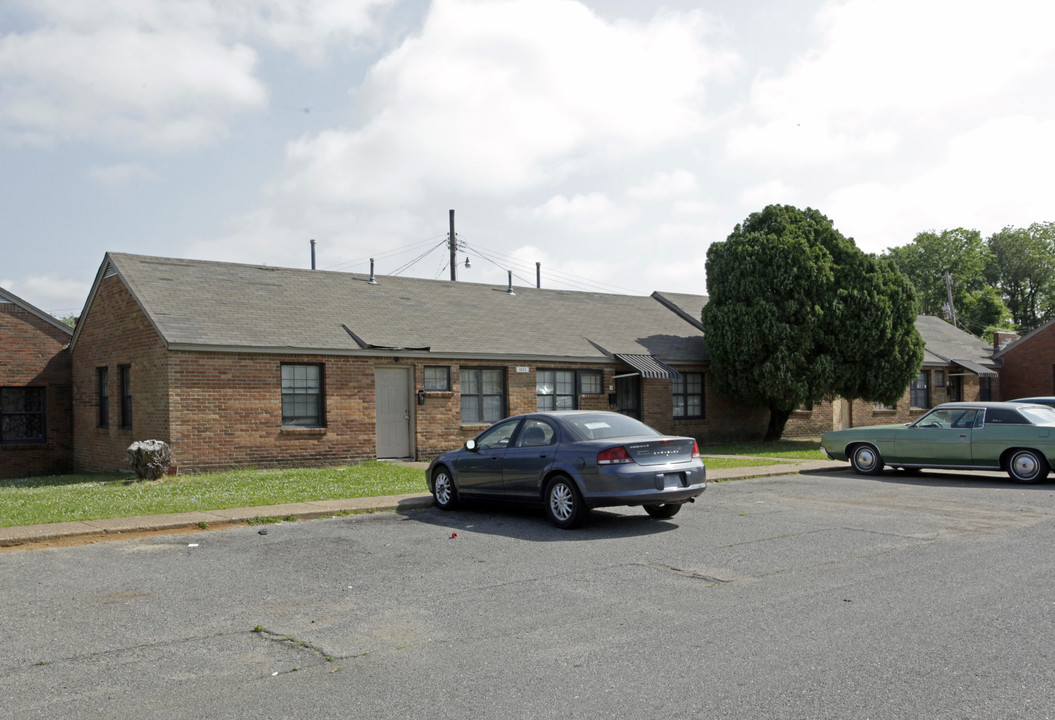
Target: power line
{"x":419,"y":257}
{"x":556,"y":275}
{"x":385,"y":254}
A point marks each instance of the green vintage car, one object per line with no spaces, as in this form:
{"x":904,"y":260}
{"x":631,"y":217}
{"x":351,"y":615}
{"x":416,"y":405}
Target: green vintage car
{"x":1015,"y":437}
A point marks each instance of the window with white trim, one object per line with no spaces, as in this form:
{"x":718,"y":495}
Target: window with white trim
{"x":302,"y":397}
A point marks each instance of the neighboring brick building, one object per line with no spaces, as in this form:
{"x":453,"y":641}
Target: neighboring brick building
{"x":35,"y":433}
{"x":1029,"y":364}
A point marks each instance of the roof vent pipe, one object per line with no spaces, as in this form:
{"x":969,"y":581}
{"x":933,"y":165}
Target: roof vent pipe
{"x":538,"y":275}
{"x":510,"y":288}
{"x":371,"y":280}
{"x":313,"y":253}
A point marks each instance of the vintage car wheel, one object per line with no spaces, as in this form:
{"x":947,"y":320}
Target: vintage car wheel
{"x":443,"y":490}
{"x":866,"y":460}
{"x":1027,"y":466}
{"x":564,"y":505}
{"x":664,"y":511}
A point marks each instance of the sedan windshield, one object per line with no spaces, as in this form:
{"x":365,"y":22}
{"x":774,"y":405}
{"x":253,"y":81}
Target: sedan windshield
{"x":609,"y":425}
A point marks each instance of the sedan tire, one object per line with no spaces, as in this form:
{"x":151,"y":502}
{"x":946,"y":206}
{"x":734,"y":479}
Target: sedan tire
{"x":564,"y":504}
{"x":866,"y":460}
{"x":1027,"y":466}
{"x":664,"y":511}
{"x":443,"y":491}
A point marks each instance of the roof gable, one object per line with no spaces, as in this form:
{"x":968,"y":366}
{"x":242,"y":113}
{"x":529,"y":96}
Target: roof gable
{"x":9,"y":297}
{"x":1028,"y":337}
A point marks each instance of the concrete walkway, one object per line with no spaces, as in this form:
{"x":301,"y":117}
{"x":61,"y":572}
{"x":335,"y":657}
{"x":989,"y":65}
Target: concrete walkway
{"x":88,"y":531}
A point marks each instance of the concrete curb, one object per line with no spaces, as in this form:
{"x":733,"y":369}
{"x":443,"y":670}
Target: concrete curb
{"x":89,"y":531}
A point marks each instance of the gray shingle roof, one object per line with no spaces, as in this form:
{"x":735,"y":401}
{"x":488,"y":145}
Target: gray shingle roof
{"x":946,"y":343}
{"x":195,"y":303}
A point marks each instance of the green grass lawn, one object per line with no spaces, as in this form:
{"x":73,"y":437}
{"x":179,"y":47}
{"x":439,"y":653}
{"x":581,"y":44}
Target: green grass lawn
{"x":806,"y":449}
{"x":62,"y":498}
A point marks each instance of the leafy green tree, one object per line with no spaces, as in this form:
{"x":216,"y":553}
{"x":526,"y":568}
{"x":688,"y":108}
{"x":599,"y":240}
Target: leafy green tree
{"x":798,"y":314}
{"x":964,"y":255}
{"x":1022,"y":268}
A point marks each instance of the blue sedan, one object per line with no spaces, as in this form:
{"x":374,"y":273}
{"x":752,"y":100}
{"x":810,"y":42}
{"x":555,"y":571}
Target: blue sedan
{"x":571,"y":462}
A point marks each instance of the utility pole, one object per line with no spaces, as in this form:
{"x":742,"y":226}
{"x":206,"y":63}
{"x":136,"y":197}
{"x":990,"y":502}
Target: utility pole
{"x":948,"y":291}
{"x":454,"y":251}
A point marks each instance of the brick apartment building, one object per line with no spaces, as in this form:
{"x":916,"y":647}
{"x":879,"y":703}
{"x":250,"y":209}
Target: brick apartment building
{"x":241,"y":365}
{"x":35,"y":433}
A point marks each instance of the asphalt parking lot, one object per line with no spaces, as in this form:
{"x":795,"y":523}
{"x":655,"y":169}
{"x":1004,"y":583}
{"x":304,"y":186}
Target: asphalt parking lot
{"x":821,"y":595}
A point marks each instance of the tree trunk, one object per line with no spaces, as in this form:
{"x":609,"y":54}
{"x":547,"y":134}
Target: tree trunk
{"x":777,"y":420}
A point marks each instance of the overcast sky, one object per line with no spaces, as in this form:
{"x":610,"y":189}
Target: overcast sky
{"x":611,"y":141}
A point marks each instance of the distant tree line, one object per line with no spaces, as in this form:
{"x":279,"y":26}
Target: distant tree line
{"x":1005,"y":281}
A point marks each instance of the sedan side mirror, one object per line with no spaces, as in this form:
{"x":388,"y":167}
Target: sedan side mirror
{"x":470,"y":445}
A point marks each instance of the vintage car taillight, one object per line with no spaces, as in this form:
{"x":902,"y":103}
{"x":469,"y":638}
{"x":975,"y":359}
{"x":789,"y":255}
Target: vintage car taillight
{"x":614,"y":456}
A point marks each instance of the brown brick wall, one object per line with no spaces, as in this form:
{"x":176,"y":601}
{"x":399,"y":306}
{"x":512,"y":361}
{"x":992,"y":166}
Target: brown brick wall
{"x":33,"y":354}
{"x":115,"y":332}
{"x":227,"y":412}
{"x":1029,"y":366}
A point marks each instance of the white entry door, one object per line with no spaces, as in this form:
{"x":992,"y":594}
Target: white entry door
{"x":392,"y":389}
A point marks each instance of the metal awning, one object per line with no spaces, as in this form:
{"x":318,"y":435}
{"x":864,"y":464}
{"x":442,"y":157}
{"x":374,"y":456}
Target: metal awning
{"x":979,"y":370}
{"x":648,"y":366}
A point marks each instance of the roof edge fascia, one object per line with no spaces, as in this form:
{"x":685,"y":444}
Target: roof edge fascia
{"x":677,"y":310}
{"x":380,"y":352}
{"x":504,"y":358}
{"x":34,"y":310}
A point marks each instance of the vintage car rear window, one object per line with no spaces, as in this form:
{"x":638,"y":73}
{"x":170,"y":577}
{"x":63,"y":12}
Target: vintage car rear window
{"x":1040,"y":415}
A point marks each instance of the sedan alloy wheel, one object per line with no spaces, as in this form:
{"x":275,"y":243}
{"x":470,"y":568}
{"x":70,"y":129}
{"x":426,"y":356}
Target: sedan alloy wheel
{"x":564,"y":504}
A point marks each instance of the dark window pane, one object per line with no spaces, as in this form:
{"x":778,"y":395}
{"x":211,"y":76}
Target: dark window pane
{"x":22,"y":415}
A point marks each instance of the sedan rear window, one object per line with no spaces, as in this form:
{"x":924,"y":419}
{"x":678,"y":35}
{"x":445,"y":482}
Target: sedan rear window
{"x":1040,"y":415}
{"x":601,"y":427}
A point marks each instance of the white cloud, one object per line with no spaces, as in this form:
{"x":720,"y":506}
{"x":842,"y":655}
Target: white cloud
{"x":666,"y":186}
{"x":990,"y":177}
{"x":586,"y":212}
{"x":890,"y":69}
{"x":154,"y":73}
{"x":51,"y":293}
{"x":495,"y":97}
{"x":770,"y":192}
{"x":117,"y":176}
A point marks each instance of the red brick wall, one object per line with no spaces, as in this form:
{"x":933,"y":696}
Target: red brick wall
{"x":1029,"y":366}
{"x":32,"y":354}
{"x":115,"y":332}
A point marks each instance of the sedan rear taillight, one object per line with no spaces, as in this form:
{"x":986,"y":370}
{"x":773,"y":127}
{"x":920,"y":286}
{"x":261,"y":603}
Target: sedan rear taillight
{"x":614,"y":456}
{"x":695,"y":449}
